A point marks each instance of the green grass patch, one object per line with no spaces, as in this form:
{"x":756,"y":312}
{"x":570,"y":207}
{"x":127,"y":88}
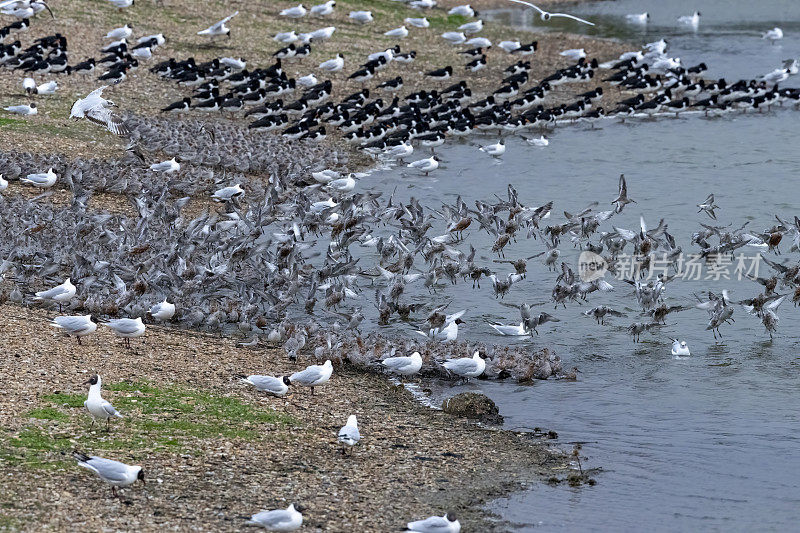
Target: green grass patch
{"x":168,"y":418}
{"x":48,"y":413}
{"x":10,"y":121}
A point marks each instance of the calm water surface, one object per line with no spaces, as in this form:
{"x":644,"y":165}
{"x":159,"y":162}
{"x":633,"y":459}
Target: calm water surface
{"x":703,"y":443}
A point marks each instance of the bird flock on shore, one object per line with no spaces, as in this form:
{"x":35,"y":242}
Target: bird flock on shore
{"x":303,"y":259}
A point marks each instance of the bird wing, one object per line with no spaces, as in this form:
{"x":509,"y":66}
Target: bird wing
{"x":775,"y":303}
{"x":70,"y":323}
{"x":566,"y":15}
{"x":349,"y":432}
{"x":265,"y":382}
{"x":106,"y":118}
{"x":108,"y":408}
{"x":52,"y":293}
{"x":273,"y":518}
{"x":107,"y":469}
{"x":465,"y":364}
{"x":430,"y":525}
{"x":123,"y":325}
{"x":396,"y":363}
{"x":91,"y":100}
{"x":309,"y":375}
{"x":527,"y":4}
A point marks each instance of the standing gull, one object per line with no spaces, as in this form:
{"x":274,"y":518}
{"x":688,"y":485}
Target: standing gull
{"x":313,"y":376}
{"x":98,"y":408}
{"x":349,"y":434}
{"x":466,"y":367}
{"x":127,"y":328}
{"x":112,"y":472}
{"x":80,"y":326}
{"x":59,"y":294}
{"x":404,"y":365}
{"x":163,"y":310}
{"x":43,"y":180}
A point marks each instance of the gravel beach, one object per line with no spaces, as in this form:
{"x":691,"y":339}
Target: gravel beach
{"x":214,"y":450}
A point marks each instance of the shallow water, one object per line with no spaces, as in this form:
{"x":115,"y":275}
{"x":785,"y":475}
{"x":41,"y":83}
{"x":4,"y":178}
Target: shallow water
{"x":707,"y":442}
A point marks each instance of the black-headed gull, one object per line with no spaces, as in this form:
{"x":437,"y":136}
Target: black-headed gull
{"x":775,"y":34}
{"x":167,"y":167}
{"x":24,"y":109}
{"x":400,"y":33}
{"x":693,"y":20}
{"x":454,"y":37}
{"x":59,"y":294}
{"x":95,"y":108}
{"x":42,"y":180}
{"x":29,"y":85}
{"x":112,"y":472}
{"x":511,"y":330}
{"x":219,"y":28}
{"x":288,"y":519}
{"x":436,"y":524}
{"x":546,"y":16}
{"x":425,"y":165}
{"x":333,"y":65}
{"x":313,"y":376}
{"x":538,"y":141}
{"x":277,"y":386}
{"x":417,"y":22}
{"x":466,"y":367}
{"x":361,"y":16}
{"x":322,"y":10}
{"x":127,"y":328}
{"x":80,"y":326}
{"x":162,"y":310}
{"x":99,"y":409}
{"x":322,"y":34}
{"x":494,"y":150}
{"x":226,"y":194}
{"x":463,"y":10}
{"x":471,"y":27}
{"x":294,"y":12}
{"x":573,"y":53}
{"x":122,"y":32}
{"x":349,"y":434}
{"x":638,"y":18}
{"x":680,"y":349}
{"x":286,"y":37}
{"x":404,"y":365}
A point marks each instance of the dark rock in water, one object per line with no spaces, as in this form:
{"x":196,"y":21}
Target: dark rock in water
{"x":473,"y":405}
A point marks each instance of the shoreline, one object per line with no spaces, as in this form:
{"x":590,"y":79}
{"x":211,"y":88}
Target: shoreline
{"x":413,"y":461}
{"x":426,"y":462}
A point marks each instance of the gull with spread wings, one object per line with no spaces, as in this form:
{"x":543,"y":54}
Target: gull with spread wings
{"x":545,"y":16}
{"x":96,"y":109}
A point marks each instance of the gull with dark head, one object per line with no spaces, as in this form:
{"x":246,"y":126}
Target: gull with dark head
{"x":96,"y":109}
{"x":99,"y":409}
{"x":218,"y":28}
{"x":546,"y":16}
{"x":114,"y":473}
